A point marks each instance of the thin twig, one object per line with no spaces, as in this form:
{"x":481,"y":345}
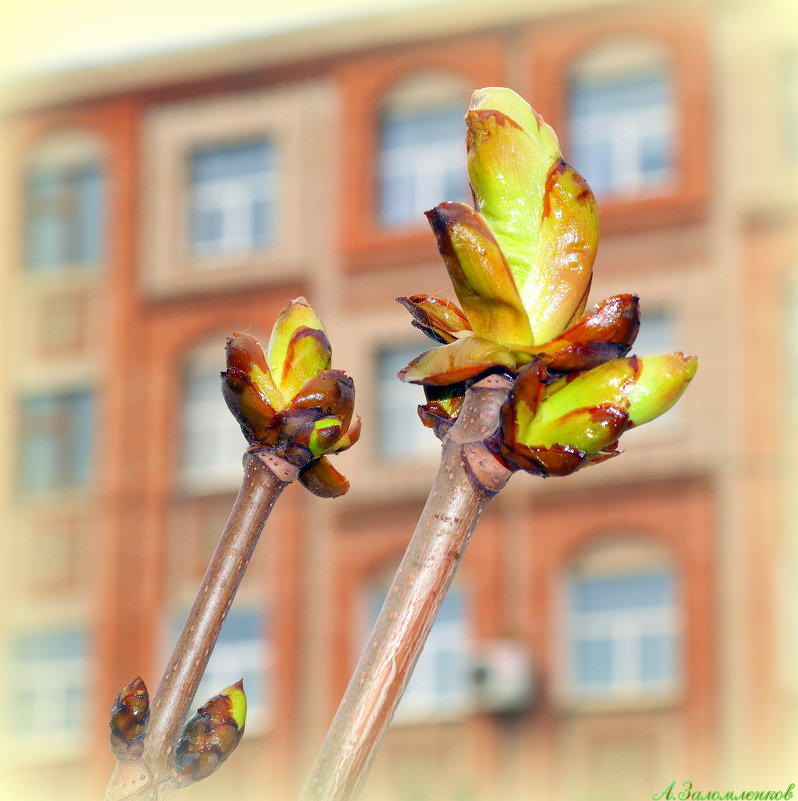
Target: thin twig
{"x":469,"y":476}
{"x":153,"y":775}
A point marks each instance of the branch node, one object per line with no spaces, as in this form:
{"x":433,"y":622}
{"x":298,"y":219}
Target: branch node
{"x":283,"y":471}
{"x":484,"y":468}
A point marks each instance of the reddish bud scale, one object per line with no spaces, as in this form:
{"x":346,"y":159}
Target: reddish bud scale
{"x":437,"y":317}
{"x":322,"y":479}
{"x":244,"y":352}
{"x":435,"y":416}
{"x":606,"y":333}
{"x":250,"y":409}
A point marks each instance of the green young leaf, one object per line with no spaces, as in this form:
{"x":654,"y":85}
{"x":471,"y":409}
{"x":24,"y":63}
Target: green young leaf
{"x":459,"y":361}
{"x":590,"y":410}
{"x":480,"y":275}
{"x":308,"y":355}
{"x":542,"y":212}
{"x":326,"y":432}
{"x":288,"y":369}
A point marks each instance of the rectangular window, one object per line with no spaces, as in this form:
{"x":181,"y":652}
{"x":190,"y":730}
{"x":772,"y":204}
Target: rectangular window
{"x":622,"y":634}
{"x":232,"y":198}
{"x":240,"y":653}
{"x":421,"y":162}
{"x":47,"y":688}
{"x":622,"y":131}
{"x":56,"y":441}
{"x":400,"y":433}
{"x":212,"y":444}
{"x":64,"y":217}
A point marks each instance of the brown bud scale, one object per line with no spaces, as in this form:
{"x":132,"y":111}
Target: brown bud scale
{"x":129,"y":717}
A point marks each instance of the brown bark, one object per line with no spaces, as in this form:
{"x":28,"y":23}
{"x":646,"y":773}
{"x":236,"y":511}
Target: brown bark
{"x":153,"y":775}
{"x":469,"y":476}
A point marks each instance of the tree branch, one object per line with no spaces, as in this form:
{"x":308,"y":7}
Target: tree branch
{"x":469,"y":476}
{"x":152,"y":776}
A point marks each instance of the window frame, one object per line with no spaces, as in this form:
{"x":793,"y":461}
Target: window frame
{"x":430,"y":449}
{"x":72,"y":181}
{"x":645,"y":557}
{"x":624,"y":182}
{"x":364,"y":83}
{"x":680,"y":33}
{"x":202,"y":192}
{"x":171,"y":132}
{"x":446,"y":96}
{"x":64,"y":157}
{"x":48,"y":680}
{"x":67,"y":455}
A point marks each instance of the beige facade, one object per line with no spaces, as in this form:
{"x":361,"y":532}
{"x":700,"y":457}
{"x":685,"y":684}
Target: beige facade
{"x":703,"y":498}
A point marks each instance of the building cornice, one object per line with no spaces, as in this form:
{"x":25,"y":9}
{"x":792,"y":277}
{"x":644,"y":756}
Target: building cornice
{"x":312,"y":42}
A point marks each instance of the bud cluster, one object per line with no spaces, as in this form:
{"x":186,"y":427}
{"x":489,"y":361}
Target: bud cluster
{"x":287,"y":399}
{"x":521,"y":266}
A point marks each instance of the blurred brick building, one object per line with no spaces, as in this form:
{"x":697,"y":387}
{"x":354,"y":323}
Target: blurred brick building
{"x":150,"y":208}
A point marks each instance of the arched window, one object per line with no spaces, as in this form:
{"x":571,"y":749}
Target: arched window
{"x":440,"y":685}
{"x":421,"y":150}
{"x":622,"y":621}
{"x":211,"y":442}
{"x":64,"y":204}
{"x":622,"y":122}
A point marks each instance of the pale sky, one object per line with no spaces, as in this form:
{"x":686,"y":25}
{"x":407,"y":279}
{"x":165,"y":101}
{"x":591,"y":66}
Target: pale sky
{"x":47,"y":35}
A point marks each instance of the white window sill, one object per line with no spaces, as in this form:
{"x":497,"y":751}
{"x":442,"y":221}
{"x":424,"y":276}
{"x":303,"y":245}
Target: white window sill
{"x":603,"y":704}
{"x":431,"y":716}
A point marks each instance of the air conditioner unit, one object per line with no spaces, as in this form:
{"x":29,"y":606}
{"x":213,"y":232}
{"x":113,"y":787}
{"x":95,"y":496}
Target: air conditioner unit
{"x":502,"y":677}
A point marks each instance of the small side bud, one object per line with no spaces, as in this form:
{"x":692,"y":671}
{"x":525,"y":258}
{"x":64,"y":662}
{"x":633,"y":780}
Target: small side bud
{"x":437,"y":317}
{"x":129,"y":717}
{"x":442,"y":407}
{"x":210,"y":736}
